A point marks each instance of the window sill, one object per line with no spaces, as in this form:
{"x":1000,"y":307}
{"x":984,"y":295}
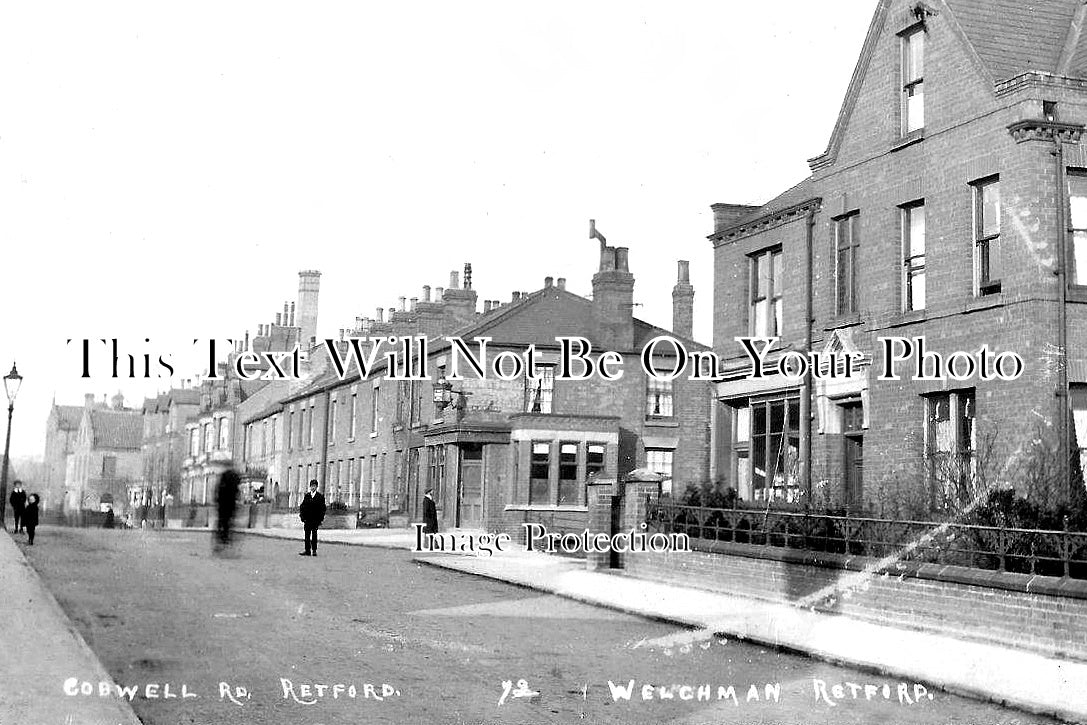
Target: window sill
{"x":849,"y":320}
{"x":545,"y":507}
{"x":662,"y":422}
{"x":908,"y":140}
{"x":984,"y":302}
{"x":908,"y":318}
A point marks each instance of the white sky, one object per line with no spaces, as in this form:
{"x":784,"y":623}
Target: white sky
{"x":165,"y":171}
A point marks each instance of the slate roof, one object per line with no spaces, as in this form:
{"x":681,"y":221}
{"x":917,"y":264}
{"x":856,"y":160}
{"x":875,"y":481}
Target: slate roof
{"x":69,"y":416}
{"x":796,"y":195}
{"x":1016,"y":36}
{"x":116,"y":429}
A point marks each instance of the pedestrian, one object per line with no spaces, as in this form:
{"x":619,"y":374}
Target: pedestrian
{"x":430,"y":513}
{"x":312,"y":513}
{"x":226,"y":500}
{"x":30,"y":518}
{"x":18,"y":504}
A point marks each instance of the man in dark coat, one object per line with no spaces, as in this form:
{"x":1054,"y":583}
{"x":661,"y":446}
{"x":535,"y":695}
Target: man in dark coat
{"x":18,"y":504}
{"x":226,"y":500}
{"x":312,"y":513}
{"x":430,"y":513}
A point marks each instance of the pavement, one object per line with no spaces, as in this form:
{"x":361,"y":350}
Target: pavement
{"x":41,"y":648}
{"x":1032,"y":682}
{"x":50,"y":647}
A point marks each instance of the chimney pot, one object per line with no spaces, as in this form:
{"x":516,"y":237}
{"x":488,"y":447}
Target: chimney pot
{"x":426,"y":293}
{"x":622,"y":257}
{"x":549,"y":281}
{"x":403,"y":303}
{"x":486,"y":306}
{"x":279,"y":319}
{"x":467,"y":275}
{"x":341,"y":334}
{"x":439,"y":294}
{"x":380,"y":314}
{"x":684,"y":271}
{"x":454,"y":280}
{"x":516,"y":296}
{"x":561,"y":283}
{"x":414,"y":301}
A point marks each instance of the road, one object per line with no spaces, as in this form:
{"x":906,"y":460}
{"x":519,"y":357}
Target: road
{"x":250,"y":637}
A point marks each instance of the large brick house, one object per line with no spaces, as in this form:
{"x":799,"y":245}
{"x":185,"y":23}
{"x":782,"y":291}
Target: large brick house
{"x":499,"y":452}
{"x":950,"y":203}
{"x":105,"y":460}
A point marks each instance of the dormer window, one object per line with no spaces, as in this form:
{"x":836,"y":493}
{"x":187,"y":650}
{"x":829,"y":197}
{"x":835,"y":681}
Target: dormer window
{"x":913,"y":80}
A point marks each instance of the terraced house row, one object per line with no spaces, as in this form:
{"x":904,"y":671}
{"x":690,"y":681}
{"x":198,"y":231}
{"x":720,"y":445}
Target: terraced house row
{"x":497,"y":451}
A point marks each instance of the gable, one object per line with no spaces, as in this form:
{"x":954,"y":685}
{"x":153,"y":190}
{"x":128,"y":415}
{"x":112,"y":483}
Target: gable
{"x":955,"y":74}
{"x":538,"y":319}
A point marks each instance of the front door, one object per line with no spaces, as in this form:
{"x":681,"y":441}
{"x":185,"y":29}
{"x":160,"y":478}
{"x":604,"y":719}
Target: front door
{"x":470,"y":486}
{"x":853,"y":454}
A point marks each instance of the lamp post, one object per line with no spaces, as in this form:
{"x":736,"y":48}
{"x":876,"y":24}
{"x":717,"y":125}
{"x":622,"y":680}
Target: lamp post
{"x":12,"y":381}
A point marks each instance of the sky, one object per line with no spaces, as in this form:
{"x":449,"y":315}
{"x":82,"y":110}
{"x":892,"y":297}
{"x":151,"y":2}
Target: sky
{"x":166,"y":170}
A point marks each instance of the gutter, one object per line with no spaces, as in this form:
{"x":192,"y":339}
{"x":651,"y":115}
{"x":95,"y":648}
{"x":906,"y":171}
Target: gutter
{"x":1062,"y":311}
{"x":805,"y":399}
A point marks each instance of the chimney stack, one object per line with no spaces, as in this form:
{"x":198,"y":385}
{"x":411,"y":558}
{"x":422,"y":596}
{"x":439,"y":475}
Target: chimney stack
{"x":292,"y":315}
{"x":516,"y":296}
{"x":726,"y":215}
{"x":467,"y":275}
{"x":309,"y":287}
{"x":426,"y":293}
{"x":380,"y":314}
{"x":414,"y":301}
{"x":561,"y":283}
{"x":613,"y":300}
{"x":279,"y":319}
{"x":683,"y":301}
{"x":548,"y":282}
{"x":403,"y":303}
{"x":486,"y":306}
{"x":454,"y":280}
{"x":439,"y":294}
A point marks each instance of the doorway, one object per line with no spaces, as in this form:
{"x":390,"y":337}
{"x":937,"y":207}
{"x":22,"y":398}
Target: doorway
{"x":470,"y":486}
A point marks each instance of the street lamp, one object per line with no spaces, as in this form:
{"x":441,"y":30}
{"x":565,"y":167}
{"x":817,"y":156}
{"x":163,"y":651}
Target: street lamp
{"x":12,"y":381}
{"x":445,"y":396}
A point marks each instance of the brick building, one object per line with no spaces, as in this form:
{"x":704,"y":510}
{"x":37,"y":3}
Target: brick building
{"x":948,"y":204}
{"x":105,"y":460}
{"x":61,"y":431}
{"x":165,"y":442}
{"x":498,"y":452}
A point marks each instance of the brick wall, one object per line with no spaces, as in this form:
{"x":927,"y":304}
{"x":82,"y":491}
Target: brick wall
{"x":1051,"y":625}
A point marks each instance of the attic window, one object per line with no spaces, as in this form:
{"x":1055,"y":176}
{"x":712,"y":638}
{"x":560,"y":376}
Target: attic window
{"x":913,"y":82}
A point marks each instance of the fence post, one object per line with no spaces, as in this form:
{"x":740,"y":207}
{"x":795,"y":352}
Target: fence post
{"x":1002,"y":546}
{"x":1066,"y":546}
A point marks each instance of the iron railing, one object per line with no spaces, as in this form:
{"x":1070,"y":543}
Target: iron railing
{"x":1028,"y":551}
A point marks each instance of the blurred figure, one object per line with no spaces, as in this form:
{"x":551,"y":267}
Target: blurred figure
{"x":30,"y":518}
{"x":18,"y":504}
{"x":226,"y":499}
